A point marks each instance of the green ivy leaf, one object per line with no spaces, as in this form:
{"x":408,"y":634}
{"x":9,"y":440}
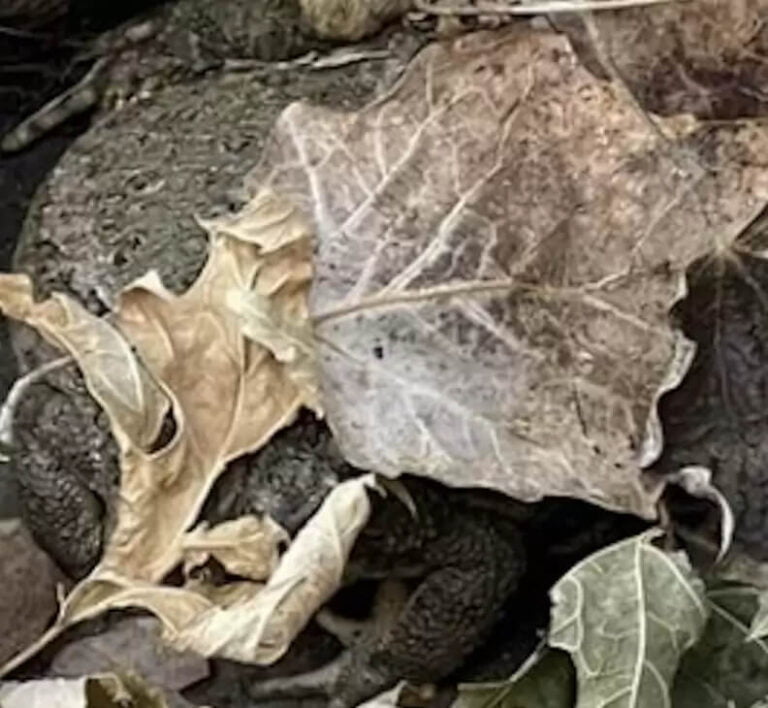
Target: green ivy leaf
{"x":626,"y":614}
{"x":548,"y":682}
{"x":758,"y":628}
{"x":725,"y":669}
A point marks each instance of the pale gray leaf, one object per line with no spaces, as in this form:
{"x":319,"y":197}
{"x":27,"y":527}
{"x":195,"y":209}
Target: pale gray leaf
{"x":626,"y":615}
{"x":499,"y":243}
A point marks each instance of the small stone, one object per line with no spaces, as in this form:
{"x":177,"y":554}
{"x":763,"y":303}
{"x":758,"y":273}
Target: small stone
{"x":28,"y":591}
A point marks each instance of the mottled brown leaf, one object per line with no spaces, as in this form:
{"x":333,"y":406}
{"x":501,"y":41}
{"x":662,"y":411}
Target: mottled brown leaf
{"x":708,"y":57}
{"x":499,"y":242}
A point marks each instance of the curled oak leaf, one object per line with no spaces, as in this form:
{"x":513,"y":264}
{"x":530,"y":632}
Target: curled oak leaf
{"x":282,"y":324}
{"x":228,"y":395}
{"x":499,"y":242}
{"x":135,"y":404}
{"x":260,"y":628}
{"x":247,"y":546}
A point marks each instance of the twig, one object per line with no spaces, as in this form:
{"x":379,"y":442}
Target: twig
{"x":312,"y":60}
{"x":538,"y":8}
{"x":19,"y":388}
{"x":22,"y":34}
{"x":76,"y":99}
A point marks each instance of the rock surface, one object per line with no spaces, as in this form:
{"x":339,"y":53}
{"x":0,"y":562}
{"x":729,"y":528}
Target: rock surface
{"x":28,"y":591}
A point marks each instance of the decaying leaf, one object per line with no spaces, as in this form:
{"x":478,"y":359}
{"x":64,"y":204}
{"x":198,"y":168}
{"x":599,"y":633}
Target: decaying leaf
{"x":260,"y":629}
{"x":227,"y":395}
{"x":107,"y":691}
{"x":500,"y":241}
{"x":715,"y":418}
{"x":133,"y":644}
{"x":239,"y":545}
{"x":626,"y":614}
{"x":708,"y":57}
{"x":548,"y":682}
{"x":115,"y":378}
{"x":725,"y":669}
{"x":279,"y":324}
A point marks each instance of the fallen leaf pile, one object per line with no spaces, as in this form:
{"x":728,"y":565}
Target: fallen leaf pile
{"x":473,"y":279}
{"x":206,"y":359}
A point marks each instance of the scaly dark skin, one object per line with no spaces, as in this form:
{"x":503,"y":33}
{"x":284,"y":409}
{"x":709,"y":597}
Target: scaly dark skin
{"x":469,"y":561}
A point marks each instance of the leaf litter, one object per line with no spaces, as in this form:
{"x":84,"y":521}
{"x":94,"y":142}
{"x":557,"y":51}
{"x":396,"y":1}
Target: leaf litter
{"x":227,"y":395}
{"x":450,"y":340}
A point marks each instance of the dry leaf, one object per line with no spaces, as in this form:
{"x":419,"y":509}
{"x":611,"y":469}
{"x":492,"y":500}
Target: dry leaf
{"x":133,"y":401}
{"x":708,"y":57}
{"x":500,"y":241}
{"x":133,"y":644}
{"x":228,"y":396}
{"x":260,"y":629}
{"x":107,"y":691}
{"x":247,"y":546}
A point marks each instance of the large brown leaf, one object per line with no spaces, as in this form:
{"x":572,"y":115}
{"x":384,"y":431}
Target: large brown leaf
{"x":499,"y":242}
{"x":709,"y":57}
